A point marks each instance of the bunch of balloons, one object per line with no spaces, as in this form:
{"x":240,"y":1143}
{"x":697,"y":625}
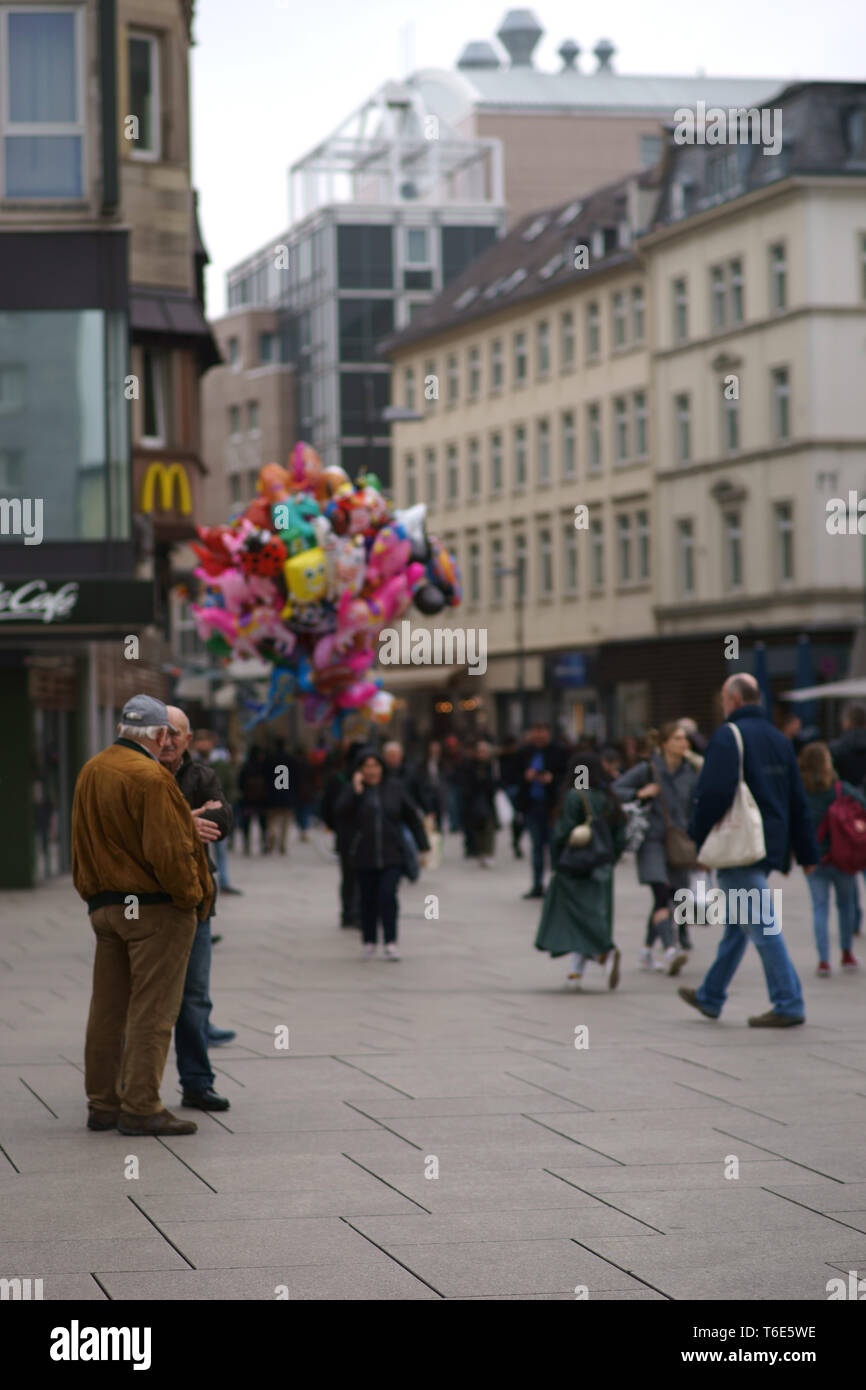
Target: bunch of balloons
{"x":308,"y":574}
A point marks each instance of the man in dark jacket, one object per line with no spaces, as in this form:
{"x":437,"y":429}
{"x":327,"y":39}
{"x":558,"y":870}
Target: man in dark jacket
{"x":212,"y":814}
{"x":338,"y":777}
{"x":543,"y":765}
{"x":771,"y":773}
{"x":370,"y":814}
{"x":849,"y":751}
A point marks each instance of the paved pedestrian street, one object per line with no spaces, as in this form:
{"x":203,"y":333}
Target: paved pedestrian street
{"x":436,"y":1128}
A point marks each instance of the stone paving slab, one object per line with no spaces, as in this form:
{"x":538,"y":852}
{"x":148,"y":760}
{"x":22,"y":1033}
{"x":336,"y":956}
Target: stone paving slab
{"x":557,"y":1166}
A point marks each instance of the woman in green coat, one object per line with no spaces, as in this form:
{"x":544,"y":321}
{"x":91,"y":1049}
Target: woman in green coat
{"x":577,"y":916}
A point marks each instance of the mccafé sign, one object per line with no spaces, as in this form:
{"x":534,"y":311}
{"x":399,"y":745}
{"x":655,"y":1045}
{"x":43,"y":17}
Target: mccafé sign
{"x":37,"y":602}
{"x":166,"y":481}
{"x":101,"y":603}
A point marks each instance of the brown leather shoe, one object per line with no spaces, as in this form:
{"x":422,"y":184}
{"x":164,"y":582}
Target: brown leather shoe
{"x":102,"y":1119}
{"x":774,"y":1020}
{"x":162,"y":1123}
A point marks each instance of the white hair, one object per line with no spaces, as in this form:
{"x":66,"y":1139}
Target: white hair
{"x":147,"y":733}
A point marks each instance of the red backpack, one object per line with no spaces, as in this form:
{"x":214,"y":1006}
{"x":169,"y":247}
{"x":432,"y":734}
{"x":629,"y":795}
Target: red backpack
{"x":844,"y":823}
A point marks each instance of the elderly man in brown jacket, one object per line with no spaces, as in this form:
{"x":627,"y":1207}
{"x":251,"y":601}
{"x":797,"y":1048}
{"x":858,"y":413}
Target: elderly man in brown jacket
{"x":142,"y":870}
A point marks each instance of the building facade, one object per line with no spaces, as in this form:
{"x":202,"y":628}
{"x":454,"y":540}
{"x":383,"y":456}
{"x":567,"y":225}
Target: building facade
{"x":102,"y":336}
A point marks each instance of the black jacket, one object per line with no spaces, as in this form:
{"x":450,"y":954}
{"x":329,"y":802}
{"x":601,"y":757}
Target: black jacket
{"x":370,"y":824}
{"x":554,"y":761}
{"x":199,"y":783}
{"x":480,"y":784}
{"x":849,"y":756}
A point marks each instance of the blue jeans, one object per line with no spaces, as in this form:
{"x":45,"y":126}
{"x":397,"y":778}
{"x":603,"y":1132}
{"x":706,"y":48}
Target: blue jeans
{"x":190,"y":1033}
{"x":820,"y":883}
{"x":538,"y":825}
{"x":221,"y":855}
{"x":783,"y":985}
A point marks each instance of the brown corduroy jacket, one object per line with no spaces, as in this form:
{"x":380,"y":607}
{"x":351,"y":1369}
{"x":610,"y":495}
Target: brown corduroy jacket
{"x":132,"y":832}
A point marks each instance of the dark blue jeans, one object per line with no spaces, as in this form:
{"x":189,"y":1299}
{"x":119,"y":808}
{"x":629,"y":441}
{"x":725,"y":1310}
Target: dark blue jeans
{"x":538,"y":825}
{"x":190,"y":1033}
{"x":378,"y":893}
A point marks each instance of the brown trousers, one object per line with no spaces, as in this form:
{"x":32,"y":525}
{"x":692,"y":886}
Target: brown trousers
{"x":138,"y":977}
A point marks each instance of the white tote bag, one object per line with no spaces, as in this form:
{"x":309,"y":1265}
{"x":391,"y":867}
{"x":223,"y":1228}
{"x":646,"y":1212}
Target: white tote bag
{"x":504,"y":808}
{"x":738,"y":838}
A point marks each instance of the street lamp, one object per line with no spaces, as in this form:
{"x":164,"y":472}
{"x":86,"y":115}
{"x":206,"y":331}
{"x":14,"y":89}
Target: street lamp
{"x":517,"y":571}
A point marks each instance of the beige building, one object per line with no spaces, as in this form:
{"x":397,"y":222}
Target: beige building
{"x":694,"y":388}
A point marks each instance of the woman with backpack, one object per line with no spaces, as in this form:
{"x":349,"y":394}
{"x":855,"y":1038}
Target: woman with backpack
{"x":667,"y":778}
{"x":588,"y":839}
{"x":824,"y":791}
{"x":370,"y":813}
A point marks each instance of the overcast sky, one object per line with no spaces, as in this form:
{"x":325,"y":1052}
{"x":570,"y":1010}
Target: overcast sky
{"x":270,"y":78}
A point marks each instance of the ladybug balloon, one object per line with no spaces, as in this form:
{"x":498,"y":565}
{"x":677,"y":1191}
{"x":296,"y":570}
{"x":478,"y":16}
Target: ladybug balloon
{"x":263,"y":555}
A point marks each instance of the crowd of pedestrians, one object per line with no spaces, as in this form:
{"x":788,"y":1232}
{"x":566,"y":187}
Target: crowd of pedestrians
{"x":154,"y":816}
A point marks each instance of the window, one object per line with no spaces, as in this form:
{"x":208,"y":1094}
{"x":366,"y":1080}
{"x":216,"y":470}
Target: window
{"x":570,"y":574}
{"x":569,"y":445}
{"x":417,"y":246}
{"x":681,"y":311}
{"x":683,"y":428}
{"x":593,"y":340}
{"x":643,"y":545}
{"x":717,"y":298}
{"x":411,"y":481}
{"x":650,"y":150}
{"x":234,"y":421}
{"x":624,"y":547}
{"x":474,"y":373}
{"x":781,"y":403}
{"x":363,"y":322}
{"x":236,"y":487}
{"x":452,"y":378}
{"x":733,"y":541}
{"x":783,"y":513}
{"x":778,"y":279}
{"x":566,"y":339}
{"x":520,"y":565}
{"x":474,"y":468}
{"x":154,"y":374}
{"x":735,"y":281}
{"x":495,"y":464}
{"x":42,"y":92}
{"x":519,"y":458}
{"x":365,"y":258}
{"x":144,"y":103}
{"x":545,"y":563}
{"x":638,"y":317}
{"x":253,"y":417}
{"x":542,"y":349}
{"x":363,"y":397}
{"x":686,"y":556}
{"x":496,"y":365}
{"x":432,"y":473}
{"x":234,"y":353}
{"x":730,"y":426}
{"x":452,"y":475}
{"x":619,"y":319}
{"x":641,"y":446}
{"x":542,"y":444}
{"x":267,"y":348}
{"x":474,"y":576}
{"x":596,"y":554}
{"x":252,"y":477}
{"x":593,"y":426}
{"x":519,"y":359}
{"x":496,"y":567}
{"x":460,"y":245}
{"x":620,"y":430}
{"x":409,"y":388}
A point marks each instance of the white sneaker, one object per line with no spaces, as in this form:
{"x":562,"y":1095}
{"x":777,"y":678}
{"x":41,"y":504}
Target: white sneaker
{"x":572,"y":983}
{"x":368,"y":951}
{"x":391,"y":952}
{"x":646,"y":960}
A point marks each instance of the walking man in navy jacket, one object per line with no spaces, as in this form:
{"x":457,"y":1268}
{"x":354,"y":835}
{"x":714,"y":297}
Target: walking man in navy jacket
{"x":770,"y":771}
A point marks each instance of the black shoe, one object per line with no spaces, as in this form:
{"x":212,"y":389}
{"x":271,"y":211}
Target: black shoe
{"x":102,"y":1119}
{"x":690,"y":996}
{"x":534,"y":893}
{"x":204,"y":1100}
{"x":238,"y":892}
{"x":518,"y":854}
{"x":218,"y":1037}
{"x":215,"y":939}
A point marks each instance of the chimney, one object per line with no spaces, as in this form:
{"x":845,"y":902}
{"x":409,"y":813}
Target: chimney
{"x":569,"y":51}
{"x":519,"y":33}
{"x":604,"y":51}
{"x":480,"y":54}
